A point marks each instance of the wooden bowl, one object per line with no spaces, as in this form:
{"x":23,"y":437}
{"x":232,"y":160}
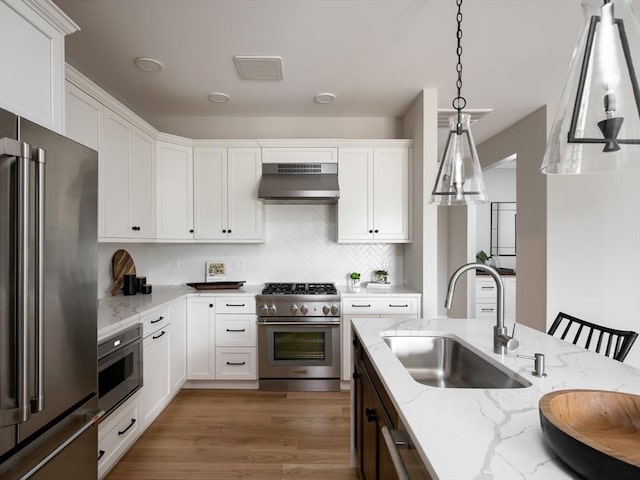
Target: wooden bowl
{"x":595,"y":432}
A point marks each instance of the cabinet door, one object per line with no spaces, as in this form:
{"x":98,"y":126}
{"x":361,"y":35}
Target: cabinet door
{"x":201,"y":340}
{"x":210,"y":193}
{"x":114,"y":180}
{"x":244,"y":209}
{"x":174,"y":191}
{"x":369,"y":430}
{"x":355,"y":218}
{"x":156,"y":389}
{"x":391,"y":194}
{"x":32,"y":84}
{"x":178,"y":345}
{"x":142,"y":186}
{"x":83,"y":114}
{"x":509,"y":297}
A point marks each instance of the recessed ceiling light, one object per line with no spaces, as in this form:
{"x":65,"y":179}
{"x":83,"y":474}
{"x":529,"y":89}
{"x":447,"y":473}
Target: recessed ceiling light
{"x":218,"y":97}
{"x":258,"y":67}
{"x":325,"y":97}
{"x":149,"y":64}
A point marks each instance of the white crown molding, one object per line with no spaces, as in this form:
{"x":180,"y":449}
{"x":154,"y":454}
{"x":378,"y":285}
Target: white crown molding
{"x":53,"y":15}
{"x":175,"y":139}
{"x":215,"y":143}
{"x":334,"y":143}
{"x":79,"y":80}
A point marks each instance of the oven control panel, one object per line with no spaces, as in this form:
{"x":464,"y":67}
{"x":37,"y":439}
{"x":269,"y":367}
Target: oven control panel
{"x":298,"y":309}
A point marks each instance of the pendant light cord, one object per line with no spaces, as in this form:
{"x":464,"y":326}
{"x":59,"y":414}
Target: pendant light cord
{"x":459,"y":102}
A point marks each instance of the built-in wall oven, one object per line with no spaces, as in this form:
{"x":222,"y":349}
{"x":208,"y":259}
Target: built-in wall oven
{"x":119,"y":368}
{"x":299,"y":337}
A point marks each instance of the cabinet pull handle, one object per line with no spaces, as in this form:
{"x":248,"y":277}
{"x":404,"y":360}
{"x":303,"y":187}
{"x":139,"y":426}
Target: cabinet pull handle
{"x":236,"y":305}
{"x":236,"y":330}
{"x":354,"y":305}
{"x":392,"y":446}
{"x":101,"y":454}
{"x":370,"y":414}
{"x":236,"y":364}
{"x":399,"y":306}
{"x":487,"y":309}
{"x":156,"y":321}
{"x":158,"y":336}
{"x":133,"y":422}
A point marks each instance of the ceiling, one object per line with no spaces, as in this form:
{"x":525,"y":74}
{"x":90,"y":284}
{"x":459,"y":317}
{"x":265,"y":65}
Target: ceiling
{"x":374,"y":55}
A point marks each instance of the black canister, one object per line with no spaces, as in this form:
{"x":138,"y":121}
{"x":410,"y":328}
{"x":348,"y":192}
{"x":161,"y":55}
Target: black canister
{"x":139,"y":282}
{"x":146,"y":288}
{"x":129,"y":284}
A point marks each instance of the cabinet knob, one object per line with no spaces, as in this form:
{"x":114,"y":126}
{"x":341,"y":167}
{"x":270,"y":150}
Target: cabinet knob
{"x":375,"y":231}
{"x":224,"y":231}
{"x":370,"y":231}
{"x":191,"y":231}
{"x":229,"y":231}
{"x":211,"y":305}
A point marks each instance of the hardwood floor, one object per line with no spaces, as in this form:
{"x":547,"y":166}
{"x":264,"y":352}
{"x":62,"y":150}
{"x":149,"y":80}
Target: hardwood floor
{"x":221,"y":434}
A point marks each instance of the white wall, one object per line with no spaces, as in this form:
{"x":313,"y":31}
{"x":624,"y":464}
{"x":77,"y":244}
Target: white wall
{"x":300,"y":247}
{"x":594,"y":250}
{"x":279,"y":127}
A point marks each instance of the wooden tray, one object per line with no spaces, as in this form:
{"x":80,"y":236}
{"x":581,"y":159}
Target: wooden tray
{"x":121,"y":264}
{"x":216,"y":285}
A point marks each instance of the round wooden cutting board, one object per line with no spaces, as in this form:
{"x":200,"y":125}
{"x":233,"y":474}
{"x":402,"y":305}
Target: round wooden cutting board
{"x":121,"y":264}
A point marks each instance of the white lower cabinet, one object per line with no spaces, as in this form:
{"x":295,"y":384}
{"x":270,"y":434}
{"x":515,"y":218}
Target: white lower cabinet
{"x":372,"y":307}
{"x":487,"y":297}
{"x":221,"y":338}
{"x":178,"y":345}
{"x":117,"y":433}
{"x":156,"y":390}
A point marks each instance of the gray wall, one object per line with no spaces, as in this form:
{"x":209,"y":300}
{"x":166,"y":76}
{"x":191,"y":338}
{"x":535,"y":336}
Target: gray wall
{"x":527,"y":138}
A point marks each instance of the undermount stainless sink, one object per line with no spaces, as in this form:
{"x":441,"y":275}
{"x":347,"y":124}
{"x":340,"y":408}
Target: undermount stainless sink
{"x":446,"y":362}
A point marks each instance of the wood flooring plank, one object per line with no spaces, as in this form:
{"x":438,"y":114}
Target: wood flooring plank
{"x":239,"y":434}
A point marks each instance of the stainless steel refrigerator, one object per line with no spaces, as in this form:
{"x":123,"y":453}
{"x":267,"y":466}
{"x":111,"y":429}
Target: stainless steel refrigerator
{"x":48,"y":292}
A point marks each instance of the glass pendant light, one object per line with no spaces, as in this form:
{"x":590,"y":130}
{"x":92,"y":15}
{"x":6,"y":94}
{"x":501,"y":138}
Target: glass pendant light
{"x":597,"y":127}
{"x":459,"y":180}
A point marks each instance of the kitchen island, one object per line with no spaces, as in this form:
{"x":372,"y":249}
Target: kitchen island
{"x":486,"y":433}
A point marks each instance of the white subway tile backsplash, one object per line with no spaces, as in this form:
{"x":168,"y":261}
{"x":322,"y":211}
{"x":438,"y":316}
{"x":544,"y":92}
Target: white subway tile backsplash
{"x":300,"y":246}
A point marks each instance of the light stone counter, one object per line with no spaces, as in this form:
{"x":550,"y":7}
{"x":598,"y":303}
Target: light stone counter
{"x":121,"y":311}
{"x":393,"y":291}
{"x":487,"y":433}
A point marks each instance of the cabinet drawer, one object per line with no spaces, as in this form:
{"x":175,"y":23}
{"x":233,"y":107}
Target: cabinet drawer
{"x":236,"y":363}
{"x":486,"y":288}
{"x":381,"y":306}
{"x":235,"y":305}
{"x":236,"y":330}
{"x":116,"y":434}
{"x":153,"y":321}
{"x":486,"y":310}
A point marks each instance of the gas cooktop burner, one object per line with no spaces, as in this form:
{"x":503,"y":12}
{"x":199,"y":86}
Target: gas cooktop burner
{"x":299,"y":289}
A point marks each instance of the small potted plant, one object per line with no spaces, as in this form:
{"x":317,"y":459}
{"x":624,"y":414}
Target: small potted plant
{"x":381,"y":276}
{"x":481,"y":257}
{"x":355,"y":279}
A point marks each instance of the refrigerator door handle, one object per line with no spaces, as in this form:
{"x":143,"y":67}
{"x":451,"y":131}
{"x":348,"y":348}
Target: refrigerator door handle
{"x":37,"y":401}
{"x":22,"y":151}
{"x":92,"y":419}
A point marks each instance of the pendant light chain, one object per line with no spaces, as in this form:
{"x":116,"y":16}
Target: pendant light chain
{"x":459,"y":102}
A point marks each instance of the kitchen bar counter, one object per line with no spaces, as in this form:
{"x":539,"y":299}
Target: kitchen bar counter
{"x":116,"y":313}
{"x":392,"y":291}
{"x":487,"y":433}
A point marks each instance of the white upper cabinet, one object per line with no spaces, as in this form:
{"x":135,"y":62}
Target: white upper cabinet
{"x":83,"y":117}
{"x":374,"y":194}
{"x":126,"y":179}
{"x":32,"y":52}
{"x":226,"y":204}
{"x":174,"y":191}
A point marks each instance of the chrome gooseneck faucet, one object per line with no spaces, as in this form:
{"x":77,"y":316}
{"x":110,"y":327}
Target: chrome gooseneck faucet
{"x":501,"y":340}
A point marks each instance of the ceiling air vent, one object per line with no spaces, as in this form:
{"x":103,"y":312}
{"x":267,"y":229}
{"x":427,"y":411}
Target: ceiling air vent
{"x":476,"y":114}
{"x":252,"y":67}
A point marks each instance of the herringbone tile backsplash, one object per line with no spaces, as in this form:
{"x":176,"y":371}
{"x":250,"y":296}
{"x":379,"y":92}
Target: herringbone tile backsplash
{"x":300,"y":246}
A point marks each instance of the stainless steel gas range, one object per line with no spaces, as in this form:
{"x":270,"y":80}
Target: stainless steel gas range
{"x":299,"y":337}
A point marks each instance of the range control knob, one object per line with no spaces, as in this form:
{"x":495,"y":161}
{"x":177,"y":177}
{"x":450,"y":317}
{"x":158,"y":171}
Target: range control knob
{"x":304,"y":309}
{"x":334,"y":309}
{"x":264,"y":309}
{"x":326,"y":310}
{"x":294,"y":309}
{"x":272,"y":310}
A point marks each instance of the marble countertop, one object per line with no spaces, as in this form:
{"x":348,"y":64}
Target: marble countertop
{"x":487,"y":433}
{"x":116,"y":313}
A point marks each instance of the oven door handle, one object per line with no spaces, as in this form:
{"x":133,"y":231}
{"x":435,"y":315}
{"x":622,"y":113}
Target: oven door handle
{"x":301,"y":324}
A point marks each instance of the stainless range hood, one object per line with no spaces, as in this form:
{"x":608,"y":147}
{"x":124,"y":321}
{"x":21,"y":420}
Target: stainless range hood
{"x":299,"y":183}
